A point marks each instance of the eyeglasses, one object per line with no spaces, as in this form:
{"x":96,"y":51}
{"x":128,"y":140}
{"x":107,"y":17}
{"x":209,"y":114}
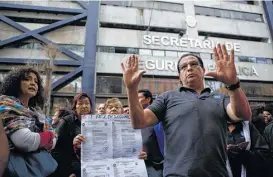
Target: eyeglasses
{"x":193,"y":65}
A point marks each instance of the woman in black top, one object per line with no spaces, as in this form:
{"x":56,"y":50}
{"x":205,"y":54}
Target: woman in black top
{"x":68,"y":128}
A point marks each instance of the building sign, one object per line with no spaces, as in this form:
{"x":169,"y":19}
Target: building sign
{"x":241,"y":70}
{"x":167,"y":65}
{"x":186,"y":42}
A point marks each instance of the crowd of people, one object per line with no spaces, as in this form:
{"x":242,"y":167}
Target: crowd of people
{"x":188,"y":132}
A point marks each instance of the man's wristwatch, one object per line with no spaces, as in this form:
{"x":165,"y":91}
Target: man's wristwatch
{"x":234,"y":86}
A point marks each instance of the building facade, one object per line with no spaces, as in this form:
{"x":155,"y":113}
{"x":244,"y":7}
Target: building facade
{"x":159,"y":32}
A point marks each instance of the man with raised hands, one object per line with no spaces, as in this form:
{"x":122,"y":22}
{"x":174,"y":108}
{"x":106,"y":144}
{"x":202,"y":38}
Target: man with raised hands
{"x":193,"y":118}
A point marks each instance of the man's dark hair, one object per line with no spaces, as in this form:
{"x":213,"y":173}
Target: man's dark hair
{"x":11,"y":85}
{"x":63,"y":112}
{"x":190,"y":54}
{"x":268,"y":108}
{"x":125,"y":106}
{"x":147,"y":94}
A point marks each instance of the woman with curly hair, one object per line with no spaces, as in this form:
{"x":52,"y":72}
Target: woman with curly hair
{"x":22,"y":94}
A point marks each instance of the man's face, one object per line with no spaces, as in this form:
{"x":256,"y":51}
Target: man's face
{"x":55,"y":118}
{"x":191,"y":72}
{"x":145,"y":102}
{"x":114,"y":108}
{"x":100,"y":109}
{"x":267,"y":116}
{"x":126,"y":110}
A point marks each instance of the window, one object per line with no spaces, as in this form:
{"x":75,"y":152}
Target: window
{"x":243,"y":59}
{"x":257,"y":89}
{"x":171,"y":53}
{"x":109,"y":85}
{"x":60,"y":102}
{"x":205,"y":56}
{"x":195,"y":53}
{"x":202,"y":11}
{"x":72,"y":47}
{"x":269,"y":61}
{"x":262,"y":60}
{"x":252,"y":59}
{"x":147,"y":5}
{"x":120,"y":50}
{"x":181,"y":53}
{"x":168,"y":6}
{"x":236,"y":58}
{"x":230,"y":36}
{"x":228,"y":14}
{"x":74,"y":86}
{"x":159,"y":53}
{"x":106,"y":49}
{"x":145,"y":52}
{"x":132,"y":50}
{"x":237,"y":15}
{"x":252,"y":17}
{"x":225,"y":14}
{"x":216,"y":12}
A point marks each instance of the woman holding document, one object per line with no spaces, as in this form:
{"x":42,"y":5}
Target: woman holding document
{"x":69,"y":127}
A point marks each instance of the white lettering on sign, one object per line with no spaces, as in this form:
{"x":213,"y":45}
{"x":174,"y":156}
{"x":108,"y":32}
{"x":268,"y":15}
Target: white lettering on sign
{"x":164,"y":40}
{"x":160,"y":65}
{"x":167,"y":65}
{"x":187,"y":42}
{"x":241,"y":70}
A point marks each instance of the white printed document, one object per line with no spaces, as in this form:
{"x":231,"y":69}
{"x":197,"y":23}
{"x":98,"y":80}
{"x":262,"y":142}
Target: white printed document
{"x":111,"y":147}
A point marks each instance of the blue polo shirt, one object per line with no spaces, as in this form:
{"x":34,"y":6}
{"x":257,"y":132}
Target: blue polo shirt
{"x":159,"y":132}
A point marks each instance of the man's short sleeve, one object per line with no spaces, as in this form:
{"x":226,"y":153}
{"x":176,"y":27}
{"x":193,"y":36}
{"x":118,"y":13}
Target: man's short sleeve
{"x":158,"y":107}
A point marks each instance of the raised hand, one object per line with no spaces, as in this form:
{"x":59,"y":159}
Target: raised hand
{"x":131,"y":74}
{"x":225,"y":66}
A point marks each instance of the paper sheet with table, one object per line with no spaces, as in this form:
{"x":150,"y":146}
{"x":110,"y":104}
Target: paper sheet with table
{"x":111,"y":147}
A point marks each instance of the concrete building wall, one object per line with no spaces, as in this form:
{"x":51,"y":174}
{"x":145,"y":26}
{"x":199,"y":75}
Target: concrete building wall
{"x":61,"y":4}
{"x":75,"y":35}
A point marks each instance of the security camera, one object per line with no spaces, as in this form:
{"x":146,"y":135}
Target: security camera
{"x":181,"y":33}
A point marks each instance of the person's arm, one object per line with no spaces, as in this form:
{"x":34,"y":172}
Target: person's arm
{"x":4,"y":150}
{"x":132,"y":75}
{"x":239,"y":108}
{"x":140,"y":118}
{"x":29,"y":141}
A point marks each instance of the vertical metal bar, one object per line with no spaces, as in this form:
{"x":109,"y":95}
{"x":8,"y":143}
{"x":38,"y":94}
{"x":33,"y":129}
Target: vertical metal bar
{"x":268,"y":8}
{"x":89,"y":64}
